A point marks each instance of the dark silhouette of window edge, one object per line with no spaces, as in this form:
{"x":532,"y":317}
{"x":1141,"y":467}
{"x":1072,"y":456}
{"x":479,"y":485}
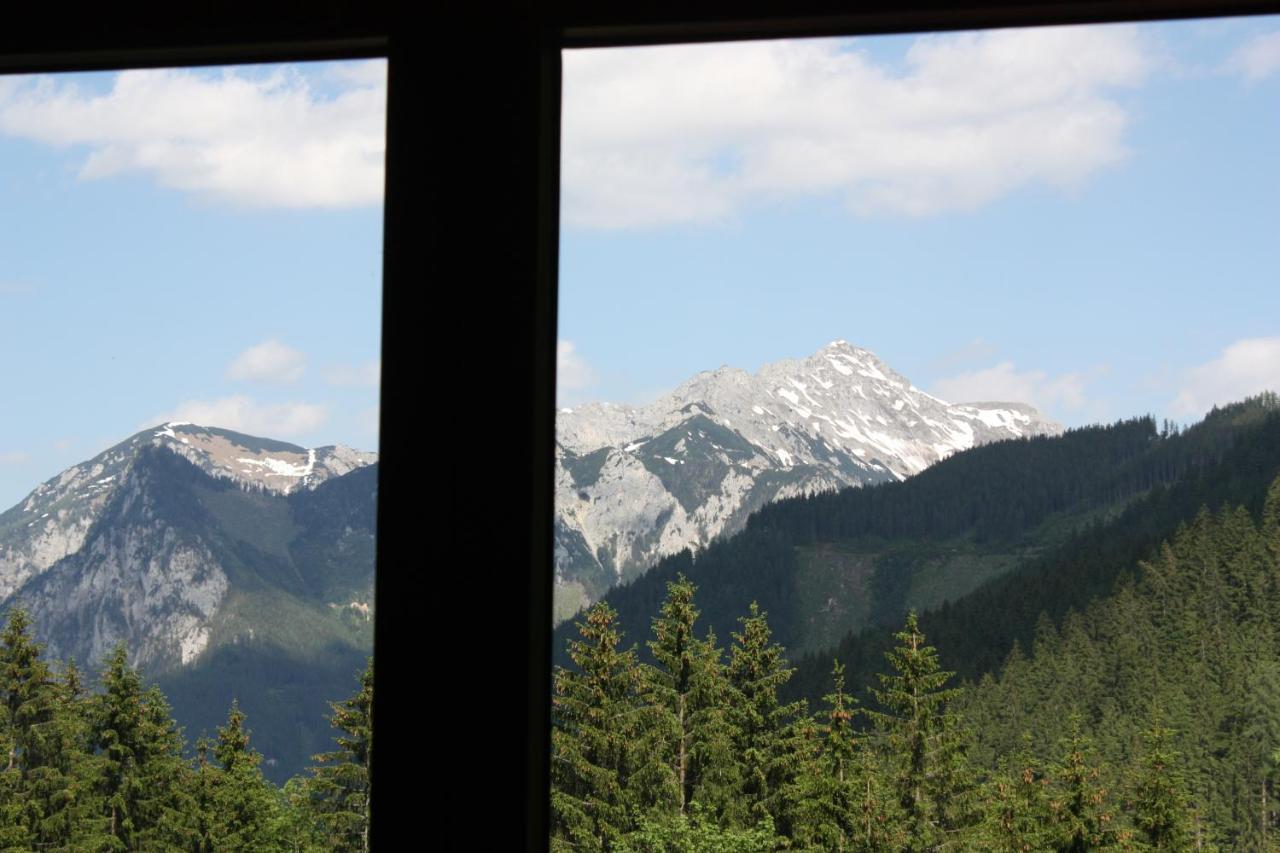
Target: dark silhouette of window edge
{"x":469,"y":311}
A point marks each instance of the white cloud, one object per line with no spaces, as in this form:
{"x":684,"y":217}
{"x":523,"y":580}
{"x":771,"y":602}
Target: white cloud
{"x":13,"y":288}
{"x":572,"y":372}
{"x":1003,"y":383}
{"x":977,"y":350}
{"x":369,"y":421}
{"x":242,"y":414}
{"x":14,"y":457}
{"x":269,"y":361}
{"x":693,"y":133}
{"x":1244,"y":368}
{"x":1257,"y":58}
{"x":363,"y":72}
{"x":249,"y":139}
{"x":367,"y":375}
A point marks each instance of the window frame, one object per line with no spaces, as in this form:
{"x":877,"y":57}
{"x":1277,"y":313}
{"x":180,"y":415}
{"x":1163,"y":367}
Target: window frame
{"x":478,"y":140}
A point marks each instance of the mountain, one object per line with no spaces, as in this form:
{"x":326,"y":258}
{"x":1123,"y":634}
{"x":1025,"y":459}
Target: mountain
{"x":980,"y":544}
{"x":635,"y":484}
{"x":229,"y":565}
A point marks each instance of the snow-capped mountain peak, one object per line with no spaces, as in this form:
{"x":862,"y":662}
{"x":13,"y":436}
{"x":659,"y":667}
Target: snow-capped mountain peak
{"x":53,"y":520}
{"x":636,"y":483}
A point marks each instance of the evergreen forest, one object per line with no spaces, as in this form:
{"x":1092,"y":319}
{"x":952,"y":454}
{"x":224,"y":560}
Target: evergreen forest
{"x":107,"y":769}
{"x":1140,"y":709}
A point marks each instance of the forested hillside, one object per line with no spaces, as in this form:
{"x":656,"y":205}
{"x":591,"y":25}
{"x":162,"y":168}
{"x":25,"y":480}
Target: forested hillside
{"x":1149,"y":721}
{"x":979,"y":544}
{"x":107,"y":768}
{"x":1229,"y":459}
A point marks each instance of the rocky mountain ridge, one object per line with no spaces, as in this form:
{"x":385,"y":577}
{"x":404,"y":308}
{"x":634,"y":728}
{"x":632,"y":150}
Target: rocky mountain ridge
{"x":634,"y":484}
{"x":53,"y":520}
{"x":232,"y":567}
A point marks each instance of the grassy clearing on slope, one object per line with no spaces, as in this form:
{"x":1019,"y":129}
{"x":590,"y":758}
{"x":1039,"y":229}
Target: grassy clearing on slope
{"x":834,"y":593}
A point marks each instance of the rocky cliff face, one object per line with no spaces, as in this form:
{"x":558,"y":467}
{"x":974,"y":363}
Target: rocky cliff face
{"x":169,"y":537}
{"x":636,"y":483}
{"x":232,"y":567}
{"x":54,"y":520}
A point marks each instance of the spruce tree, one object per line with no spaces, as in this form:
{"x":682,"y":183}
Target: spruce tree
{"x":208,"y":779}
{"x":141,"y":779}
{"x":931,"y":777}
{"x":1159,"y":793}
{"x":594,"y":743}
{"x":689,"y":733}
{"x":245,"y":807}
{"x":166,"y":805}
{"x":826,"y":789}
{"x":63,"y":782}
{"x":764,"y":728}
{"x":1271,"y":523}
{"x":339,"y":785}
{"x":117,"y":719}
{"x":27,"y":703}
{"x":1017,"y":805}
{"x":1082,"y":814}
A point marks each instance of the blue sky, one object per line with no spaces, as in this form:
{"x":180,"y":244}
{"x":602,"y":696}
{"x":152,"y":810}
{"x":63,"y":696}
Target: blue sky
{"x":196,"y":245}
{"x":1086,"y":218}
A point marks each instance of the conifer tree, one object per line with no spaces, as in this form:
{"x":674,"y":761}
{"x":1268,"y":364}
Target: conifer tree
{"x":827,"y":787}
{"x":63,"y":783}
{"x":1017,"y":805}
{"x":595,"y":713}
{"x":1159,"y":793}
{"x":1271,"y":523}
{"x":339,"y":786}
{"x":116,"y":724}
{"x":24,"y":685}
{"x":244,"y":806}
{"x":46,"y":770}
{"x":167,"y":804}
{"x":26,"y":702}
{"x":689,"y":733}
{"x":208,"y":778}
{"x":931,"y":777}
{"x":764,"y":728}
{"x":296,"y":828}
{"x":714,"y":767}
{"x":142,"y":779}
{"x":1082,"y":814}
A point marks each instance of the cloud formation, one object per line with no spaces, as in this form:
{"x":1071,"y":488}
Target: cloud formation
{"x":693,"y":133}
{"x":14,"y":457}
{"x":1244,"y":368}
{"x":1004,"y":383}
{"x":266,"y":141}
{"x":977,"y":351}
{"x":243,"y":414}
{"x":1258,"y":58}
{"x":367,"y":375}
{"x":269,"y":361}
{"x":370,"y":420}
{"x":572,"y":372}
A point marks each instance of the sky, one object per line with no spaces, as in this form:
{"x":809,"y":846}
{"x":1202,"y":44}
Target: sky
{"x":1086,"y":219}
{"x":199,"y":245}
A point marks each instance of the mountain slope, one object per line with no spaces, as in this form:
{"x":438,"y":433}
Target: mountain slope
{"x":55,"y":518}
{"x":636,"y":484}
{"x":1230,"y":458}
{"x":220,"y":575}
{"x":1189,"y":639}
{"x":982,"y":542}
